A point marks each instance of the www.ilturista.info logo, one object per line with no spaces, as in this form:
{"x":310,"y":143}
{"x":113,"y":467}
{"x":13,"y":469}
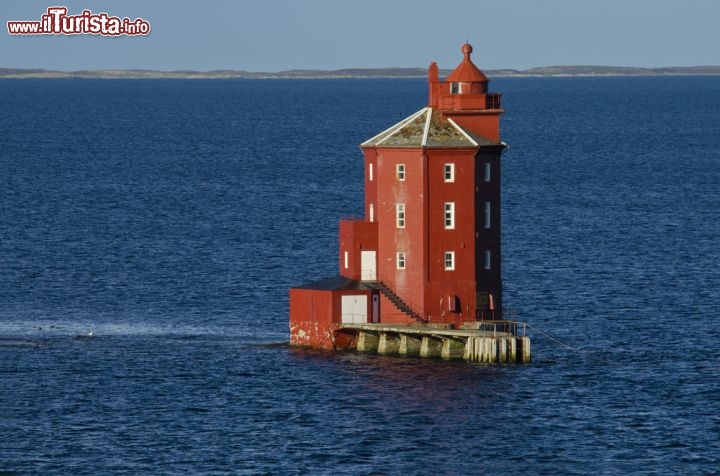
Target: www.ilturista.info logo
{"x":57,"y":22}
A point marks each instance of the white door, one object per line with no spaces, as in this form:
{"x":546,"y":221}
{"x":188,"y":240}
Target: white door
{"x":354,"y":309}
{"x":368,"y":266}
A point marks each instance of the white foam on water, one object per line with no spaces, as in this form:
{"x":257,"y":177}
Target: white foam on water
{"x":84,"y":327}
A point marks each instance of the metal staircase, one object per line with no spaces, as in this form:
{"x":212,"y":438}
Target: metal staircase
{"x":397,"y":301}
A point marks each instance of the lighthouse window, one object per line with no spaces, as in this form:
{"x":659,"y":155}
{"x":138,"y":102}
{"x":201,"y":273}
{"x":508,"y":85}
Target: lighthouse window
{"x":488,"y":259}
{"x":449,"y":172}
{"x":345,"y":256}
{"x":370,"y":172}
{"x":449,"y":260}
{"x":487,"y":214}
{"x":372,"y":212}
{"x":454,"y":88}
{"x":400,"y":260}
{"x":400,"y":215}
{"x":449,"y":215}
{"x":487,"y":171}
{"x":400,"y":169}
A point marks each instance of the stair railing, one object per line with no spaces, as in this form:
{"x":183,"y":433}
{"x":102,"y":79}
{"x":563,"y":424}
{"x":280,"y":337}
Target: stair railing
{"x":417,"y":315}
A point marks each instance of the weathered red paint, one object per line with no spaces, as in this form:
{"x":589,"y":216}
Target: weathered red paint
{"x":462,"y":128}
{"x":311,"y":323}
{"x":315,"y":317}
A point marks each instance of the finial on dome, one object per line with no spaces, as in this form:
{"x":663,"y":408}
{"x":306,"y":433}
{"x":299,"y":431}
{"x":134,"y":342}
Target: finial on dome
{"x":466,"y":50}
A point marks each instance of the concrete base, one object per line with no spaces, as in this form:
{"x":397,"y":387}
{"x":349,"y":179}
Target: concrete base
{"x":524,"y":349}
{"x":367,"y":341}
{"x":474,"y":345}
{"x":497,"y":349}
{"x":512,"y":350}
{"x":430,"y":347}
{"x":388,"y":344}
{"x":409,"y":345}
{"x":452,"y":348}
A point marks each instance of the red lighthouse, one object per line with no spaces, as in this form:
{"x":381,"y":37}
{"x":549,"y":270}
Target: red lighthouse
{"x":427,"y":253}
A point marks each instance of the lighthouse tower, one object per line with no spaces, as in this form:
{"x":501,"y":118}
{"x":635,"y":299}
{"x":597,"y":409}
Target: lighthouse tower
{"x":427,"y":252}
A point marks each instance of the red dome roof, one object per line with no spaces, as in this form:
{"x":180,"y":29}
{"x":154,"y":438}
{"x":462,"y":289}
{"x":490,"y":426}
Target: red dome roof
{"x":466,"y":72}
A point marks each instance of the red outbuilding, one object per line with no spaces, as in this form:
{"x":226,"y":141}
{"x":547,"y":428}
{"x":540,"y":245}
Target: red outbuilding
{"x":428,"y":249}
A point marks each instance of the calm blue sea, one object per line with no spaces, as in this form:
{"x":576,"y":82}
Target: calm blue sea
{"x":171,"y":217}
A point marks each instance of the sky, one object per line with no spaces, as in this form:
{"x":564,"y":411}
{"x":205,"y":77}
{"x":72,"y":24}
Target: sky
{"x":277,"y":35}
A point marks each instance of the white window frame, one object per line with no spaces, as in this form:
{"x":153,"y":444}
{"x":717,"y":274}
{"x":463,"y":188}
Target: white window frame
{"x":400,"y":260}
{"x":488,"y":208}
{"x":372,"y":212}
{"x":449,"y":172}
{"x":400,"y":172}
{"x":370,"y":171}
{"x":488,"y":259}
{"x":449,"y":215}
{"x":346,"y":258}
{"x":488,"y":171}
{"x":400,"y":215}
{"x":449,"y":261}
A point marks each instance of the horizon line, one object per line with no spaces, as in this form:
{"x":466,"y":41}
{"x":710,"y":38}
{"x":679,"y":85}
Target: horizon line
{"x":398,"y":72}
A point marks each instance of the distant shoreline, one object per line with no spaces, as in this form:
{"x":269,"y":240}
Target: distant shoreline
{"x":548,"y":71}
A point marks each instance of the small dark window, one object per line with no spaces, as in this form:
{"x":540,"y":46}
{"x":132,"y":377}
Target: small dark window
{"x":449,"y":172}
{"x":400,"y":215}
{"x":449,"y":260}
{"x":400,"y":260}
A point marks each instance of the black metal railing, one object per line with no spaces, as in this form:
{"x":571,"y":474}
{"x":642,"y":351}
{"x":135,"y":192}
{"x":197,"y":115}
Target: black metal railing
{"x":515,"y":328}
{"x":413,"y":310}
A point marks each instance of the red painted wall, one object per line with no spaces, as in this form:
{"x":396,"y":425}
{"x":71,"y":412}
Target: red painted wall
{"x":370,"y":184}
{"x":425,"y":284}
{"x":412,"y":238}
{"x":316,"y":315}
{"x":311,"y":318}
{"x":391,"y":314}
{"x":485,"y":123}
{"x":443,"y":295}
{"x":458,"y":284}
{"x":356,"y":236}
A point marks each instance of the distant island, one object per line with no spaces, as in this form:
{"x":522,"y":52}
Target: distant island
{"x":356,"y":73}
